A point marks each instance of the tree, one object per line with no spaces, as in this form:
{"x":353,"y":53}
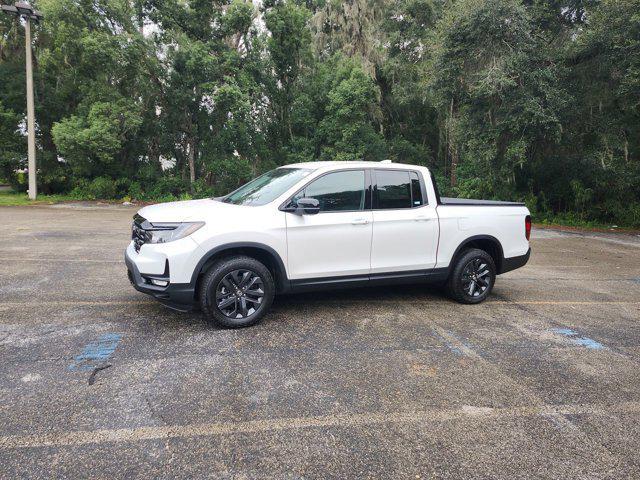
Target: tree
{"x":350,"y":27}
{"x":12,"y":144}
{"x":409,"y":116}
{"x":210,"y":91}
{"x":605,"y":60}
{"x":91,"y":142}
{"x":536,"y":100}
{"x":347,"y":131}
{"x":497,"y":94}
{"x":92,"y":89}
{"x":289,"y":51}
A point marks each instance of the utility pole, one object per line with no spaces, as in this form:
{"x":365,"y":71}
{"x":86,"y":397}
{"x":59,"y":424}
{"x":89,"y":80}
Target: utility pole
{"x":31,"y":129}
{"x":24,"y":10}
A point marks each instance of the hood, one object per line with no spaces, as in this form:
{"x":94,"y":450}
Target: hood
{"x":188,"y":210}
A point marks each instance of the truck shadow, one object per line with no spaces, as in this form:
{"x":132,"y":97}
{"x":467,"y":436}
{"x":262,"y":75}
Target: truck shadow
{"x":393,"y":293}
{"x":290,"y":304}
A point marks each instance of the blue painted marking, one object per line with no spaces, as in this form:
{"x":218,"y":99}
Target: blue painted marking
{"x":582,"y":341}
{"x":451,"y":347}
{"x":589,"y":343}
{"x":567,"y":332}
{"x":464,"y":344}
{"x":96,"y":352}
{"x":454,"y":349}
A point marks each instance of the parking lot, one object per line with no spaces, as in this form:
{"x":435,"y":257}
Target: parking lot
{"x":98,"y":380}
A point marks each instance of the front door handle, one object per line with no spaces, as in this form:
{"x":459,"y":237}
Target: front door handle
{"x":422,"y":218}
{"x":360,"y":221}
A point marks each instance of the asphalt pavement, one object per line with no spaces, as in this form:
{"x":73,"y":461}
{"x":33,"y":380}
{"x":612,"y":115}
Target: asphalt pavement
{"x":100,"y":381}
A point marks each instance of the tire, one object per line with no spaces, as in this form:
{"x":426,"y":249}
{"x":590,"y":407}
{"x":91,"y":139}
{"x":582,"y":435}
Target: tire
{"x":468,"y":283}
{"x":236,"y":292}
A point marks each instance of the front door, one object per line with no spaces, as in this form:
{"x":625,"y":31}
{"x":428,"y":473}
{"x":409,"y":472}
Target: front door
{"x":337,"y":241}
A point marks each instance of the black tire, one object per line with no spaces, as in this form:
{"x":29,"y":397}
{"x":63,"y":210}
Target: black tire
{"x":465,"y":285}
{"x":221,"y":286}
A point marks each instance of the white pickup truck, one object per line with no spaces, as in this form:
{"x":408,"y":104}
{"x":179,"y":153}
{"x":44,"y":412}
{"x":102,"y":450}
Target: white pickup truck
{"x":317,"y":226}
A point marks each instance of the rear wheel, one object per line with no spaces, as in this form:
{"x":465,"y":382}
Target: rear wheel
{"x":236,"y":292}
{"x":472,"y":277}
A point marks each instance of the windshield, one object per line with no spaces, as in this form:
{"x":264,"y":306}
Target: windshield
{"x":267,"y":187}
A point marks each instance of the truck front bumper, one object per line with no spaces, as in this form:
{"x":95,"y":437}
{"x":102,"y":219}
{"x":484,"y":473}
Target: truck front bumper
{"x":179,"y":296}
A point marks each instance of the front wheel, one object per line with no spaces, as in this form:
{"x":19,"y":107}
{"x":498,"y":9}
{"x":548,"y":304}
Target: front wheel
{"x":472,"y":277}
{"x":236,"y":292}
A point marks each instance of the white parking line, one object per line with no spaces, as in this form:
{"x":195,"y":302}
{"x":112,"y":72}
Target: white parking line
{"x":59,"y":260}
{"x":73,"y":438}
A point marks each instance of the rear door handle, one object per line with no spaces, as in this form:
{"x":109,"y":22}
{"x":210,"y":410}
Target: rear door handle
{"x":360,"y":221}
{"x":421,"y":218}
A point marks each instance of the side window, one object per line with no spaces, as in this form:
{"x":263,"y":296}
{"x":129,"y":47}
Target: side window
{"x":338,"y":191}
{"x":416,"y":191}
{"x":393,"y":189}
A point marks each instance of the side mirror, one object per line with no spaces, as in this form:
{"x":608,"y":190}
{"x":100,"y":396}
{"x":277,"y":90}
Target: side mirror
{"x":307,"y":206}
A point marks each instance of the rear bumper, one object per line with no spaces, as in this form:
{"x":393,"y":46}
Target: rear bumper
{"x":512,"y":263}
{"x":179,"y":296}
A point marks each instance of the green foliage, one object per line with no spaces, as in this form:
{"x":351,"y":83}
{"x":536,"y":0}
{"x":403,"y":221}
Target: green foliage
{"x":11,"y":147}
{"x":347,"y":130}
{"x":498,"y":93}
{"x":167,"y":188}
{"x":91,"y":143}
{"x":533,"y":100}
{"x":100,"y":188}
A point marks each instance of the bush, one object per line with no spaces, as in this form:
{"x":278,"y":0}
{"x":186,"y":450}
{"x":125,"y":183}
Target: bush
{"x":135,"y":191}
{"x":202,"y":190}
{"x":122,"y":186}
{"x":128,"y":189}
{"x":632,"y":216}
{"x":167,"y":188}
{"x":101,"y":188}
{"x":229,"y":173}
{"x":19,"y":182}
{"x":82,"y":190}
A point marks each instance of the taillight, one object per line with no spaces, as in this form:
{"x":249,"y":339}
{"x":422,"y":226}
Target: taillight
{"x":527,"y":227}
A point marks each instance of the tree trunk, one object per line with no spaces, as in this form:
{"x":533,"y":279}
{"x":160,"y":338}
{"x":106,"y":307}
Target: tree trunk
{"x":192,"y":161}
{"x":454,"y":167}
{"x":154,"y":154}
{"x":140,"y":14}
{"x":453,"y":151}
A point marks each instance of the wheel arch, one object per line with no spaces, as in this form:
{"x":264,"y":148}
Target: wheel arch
{"x":488,"y":243}
{"x":263,"y":253}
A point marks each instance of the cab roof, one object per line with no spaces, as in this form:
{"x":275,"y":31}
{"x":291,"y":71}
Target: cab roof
{"x":354,"y":164}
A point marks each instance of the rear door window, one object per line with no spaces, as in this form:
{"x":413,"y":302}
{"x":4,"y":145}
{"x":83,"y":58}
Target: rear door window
{"x":393,"y":190}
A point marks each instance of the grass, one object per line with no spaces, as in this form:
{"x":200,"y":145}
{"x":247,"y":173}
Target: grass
{"x":572,"y":220}
{"x":17,"y":199}
{"x":13,"y":199}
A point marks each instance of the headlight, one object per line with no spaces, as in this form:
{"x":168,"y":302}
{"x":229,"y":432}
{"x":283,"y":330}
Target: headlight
{"x":169,"y":232}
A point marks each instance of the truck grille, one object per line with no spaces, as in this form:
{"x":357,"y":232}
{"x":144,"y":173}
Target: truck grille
{"x":138,"y":234}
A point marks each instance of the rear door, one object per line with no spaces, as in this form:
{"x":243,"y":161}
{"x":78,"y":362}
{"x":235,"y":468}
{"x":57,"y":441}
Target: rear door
{"x":405,"y":226}
{"x":337,"y":241}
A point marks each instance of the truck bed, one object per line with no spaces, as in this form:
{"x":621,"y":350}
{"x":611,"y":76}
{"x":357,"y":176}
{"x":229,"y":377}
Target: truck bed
{"x":478,"y":203}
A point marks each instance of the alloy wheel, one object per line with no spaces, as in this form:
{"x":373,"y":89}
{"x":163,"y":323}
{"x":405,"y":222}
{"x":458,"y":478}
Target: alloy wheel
{"x":239,"y":293}
{"x":476,"y":277}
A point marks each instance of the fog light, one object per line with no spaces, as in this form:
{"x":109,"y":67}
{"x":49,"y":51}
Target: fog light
{"x":159,"y":283}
